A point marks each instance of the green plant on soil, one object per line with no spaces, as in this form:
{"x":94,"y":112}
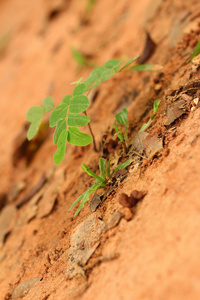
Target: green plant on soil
{"x":155,"y":109}
{"x":122,"y":119}
{"x":100,"y":180}
{"x":71,"y":113}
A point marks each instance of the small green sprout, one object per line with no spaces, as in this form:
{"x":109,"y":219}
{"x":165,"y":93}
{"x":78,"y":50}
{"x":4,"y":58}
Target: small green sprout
{"x":195,"y":52}
{"x":155,"y":109}
{"x":100,"y":180}
{"x":122,"y":119}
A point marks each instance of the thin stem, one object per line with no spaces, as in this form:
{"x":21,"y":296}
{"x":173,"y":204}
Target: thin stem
{"x":91,"y":132}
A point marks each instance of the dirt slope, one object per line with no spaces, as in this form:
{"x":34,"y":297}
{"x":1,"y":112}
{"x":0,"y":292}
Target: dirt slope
{"x":153,"y":251}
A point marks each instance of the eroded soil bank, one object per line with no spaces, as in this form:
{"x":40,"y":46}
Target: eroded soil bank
{"x":150,"y":251}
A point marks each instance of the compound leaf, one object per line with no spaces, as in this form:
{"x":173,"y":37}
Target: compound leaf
{"x":77,"y":120}
{"x":59,"y":155}
{"x":78,"y":138}
{"x":48,"y":104}
{"x":122,"y":117}
{"x":60,"y":112}
{"x":79,"y":104}
{"x":61,"y":125}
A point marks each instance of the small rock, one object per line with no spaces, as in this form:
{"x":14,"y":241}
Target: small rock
{"x":166,"y":152}
{"x":95,"y":202}
{"x":137,"y":195}
{"x":145,"y":163}
{"x":113,"y":220}
{"x":131,"y":201}
{"x":126,"y":201}
{"x":128,"y":214}
{"x":24,"y":287}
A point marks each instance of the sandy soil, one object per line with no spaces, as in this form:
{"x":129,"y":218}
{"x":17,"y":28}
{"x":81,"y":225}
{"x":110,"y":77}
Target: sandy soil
{"x":153,"y":252}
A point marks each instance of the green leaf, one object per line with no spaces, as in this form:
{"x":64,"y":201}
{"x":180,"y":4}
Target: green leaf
{"x":145,"y":125}
{"x":108,"y":169}
{"x":122,"y":117}
{"x":77,"y":120}
{"x":78,"y":138}
{"x":87,"y":170}
{"x":66,"y":99}
{"x":61,"y":125}
{"x":145,"y":67}
{"x":152,"y":117}
{"x":129,"y":62}
{"x":79,"y":104}
{"x":195,"y":52}
{"x":33,"y":129}
{"x":77,"y":200}
{"x":59,"y":155}
{"x":107,"y":74}
{"x":90,"y":80}
{"x":96,"y":186}
{"x":98,"y":71}
{"x":113,"y":64}
{"x":79,"y":89}
{"x":48,"y":104}
{"x":102,"y":166}
{"x":156,"y":105}
{"x":118,"y":133}
{"x":123,"y":166}
{"x":116,"y":128}
{"x":35,"y":113}
{"x":59,"y":113}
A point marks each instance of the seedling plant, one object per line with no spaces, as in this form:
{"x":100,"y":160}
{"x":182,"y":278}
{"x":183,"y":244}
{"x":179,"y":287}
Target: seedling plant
{"x":100,"y":180}
{"x":122,"y":119}
{"x":155,"y":109}
{"x":71,"y":114}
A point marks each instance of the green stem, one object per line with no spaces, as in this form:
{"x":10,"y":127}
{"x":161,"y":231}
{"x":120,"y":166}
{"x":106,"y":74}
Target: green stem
{"x":92,"y":134}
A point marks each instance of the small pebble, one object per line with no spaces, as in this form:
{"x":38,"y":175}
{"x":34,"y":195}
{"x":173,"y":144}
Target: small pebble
{"x":113,"y":221}
{"x":128,"y":214}
{"x":166,"y":152}
{"x":145,"y":163}
{"x":126,"y":201}
{"x":137,"y":195}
